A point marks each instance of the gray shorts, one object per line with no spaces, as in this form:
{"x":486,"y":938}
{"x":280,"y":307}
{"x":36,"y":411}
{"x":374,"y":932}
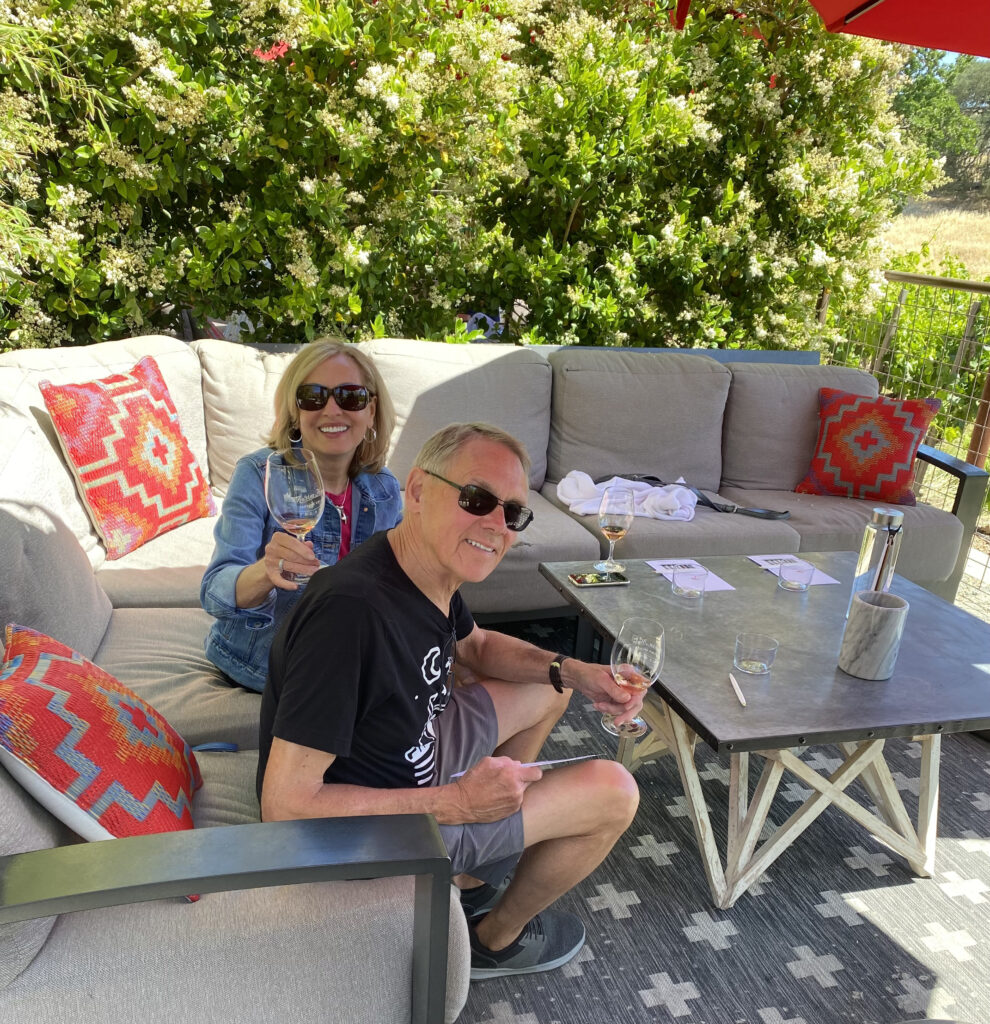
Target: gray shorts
{"x":466,"y":732}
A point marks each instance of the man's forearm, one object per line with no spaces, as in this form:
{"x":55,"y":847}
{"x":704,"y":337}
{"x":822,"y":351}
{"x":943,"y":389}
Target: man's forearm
{"x":499,"y":656}
{"x":345,"y":801}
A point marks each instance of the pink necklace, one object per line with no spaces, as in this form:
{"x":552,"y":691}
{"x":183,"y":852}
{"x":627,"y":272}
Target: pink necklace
{"x":342,"y":505}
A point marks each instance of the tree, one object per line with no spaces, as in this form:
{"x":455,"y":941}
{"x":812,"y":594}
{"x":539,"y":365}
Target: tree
{"x":971,"y":89}
{"x":930,"y":108}
{"x":356,"y":167}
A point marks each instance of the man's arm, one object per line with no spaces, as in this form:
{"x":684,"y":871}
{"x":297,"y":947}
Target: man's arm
{"x":495,"y":655}
{"x":293,"y":787}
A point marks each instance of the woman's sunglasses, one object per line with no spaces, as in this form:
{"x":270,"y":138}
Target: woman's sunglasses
{"x":349,"y":397}
{"x":479,"y":502}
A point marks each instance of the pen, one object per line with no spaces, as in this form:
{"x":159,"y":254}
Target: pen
{"x":735,"y":686}
{"x":540,"y":764}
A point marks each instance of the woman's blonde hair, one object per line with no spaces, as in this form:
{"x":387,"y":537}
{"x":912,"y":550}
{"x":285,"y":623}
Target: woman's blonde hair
{"x":371,"y":453}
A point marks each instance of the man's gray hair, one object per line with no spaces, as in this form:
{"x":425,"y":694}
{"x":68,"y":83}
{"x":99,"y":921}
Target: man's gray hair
{"x":437,"y":452}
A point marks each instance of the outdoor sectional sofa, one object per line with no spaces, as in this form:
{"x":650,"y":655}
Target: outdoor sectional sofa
{"x":743,"y":430}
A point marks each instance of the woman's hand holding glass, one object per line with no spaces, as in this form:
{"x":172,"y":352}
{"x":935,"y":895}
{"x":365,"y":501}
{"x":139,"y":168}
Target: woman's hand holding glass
{"x":295,"y":497}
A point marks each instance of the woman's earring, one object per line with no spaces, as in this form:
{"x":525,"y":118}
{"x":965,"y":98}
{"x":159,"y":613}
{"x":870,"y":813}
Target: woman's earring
{"x":370,"y":435}
{"x":295,"y":435}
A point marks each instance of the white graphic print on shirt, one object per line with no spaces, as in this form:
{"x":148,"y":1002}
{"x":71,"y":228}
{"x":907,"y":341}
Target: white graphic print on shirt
{"x":436,"y":671}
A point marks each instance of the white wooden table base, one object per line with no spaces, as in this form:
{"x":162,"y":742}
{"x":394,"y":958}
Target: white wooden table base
{"x":745,"y":861}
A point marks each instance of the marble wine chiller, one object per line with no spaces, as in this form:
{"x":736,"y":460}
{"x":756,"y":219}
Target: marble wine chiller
{"x":873,"y":634}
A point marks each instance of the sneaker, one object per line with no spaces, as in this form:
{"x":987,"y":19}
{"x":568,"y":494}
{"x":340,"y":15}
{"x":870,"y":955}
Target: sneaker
{"x":478,"y":901}
{"x":550,"y":940}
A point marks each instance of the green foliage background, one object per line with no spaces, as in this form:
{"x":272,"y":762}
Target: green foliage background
{"x":362,"y":167}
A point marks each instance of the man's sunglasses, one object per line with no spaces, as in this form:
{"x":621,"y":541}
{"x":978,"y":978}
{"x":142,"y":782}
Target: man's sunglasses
{"x":350,"y":397}
{"x":479,"y":502}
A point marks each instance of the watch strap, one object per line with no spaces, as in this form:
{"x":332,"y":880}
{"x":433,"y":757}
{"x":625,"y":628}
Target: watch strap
{"x":555,"y":680}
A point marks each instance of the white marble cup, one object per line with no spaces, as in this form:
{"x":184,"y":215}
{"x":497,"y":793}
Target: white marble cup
{"x":873,"y":634}
{"x":689,"y":583}
{"x":795,"y":576}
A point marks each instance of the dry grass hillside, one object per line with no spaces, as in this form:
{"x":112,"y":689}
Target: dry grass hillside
{"x":953,"y":225}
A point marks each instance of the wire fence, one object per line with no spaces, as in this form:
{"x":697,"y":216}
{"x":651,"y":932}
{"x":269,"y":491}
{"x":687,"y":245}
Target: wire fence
{"x":930,"y":337}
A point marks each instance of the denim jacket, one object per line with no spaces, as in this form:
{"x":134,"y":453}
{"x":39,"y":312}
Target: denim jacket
{"x":239,"y":640}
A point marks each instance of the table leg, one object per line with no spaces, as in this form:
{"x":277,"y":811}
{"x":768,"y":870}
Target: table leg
{"x":738,"y":802}
{"x":931,"y":753}
{"x":683,"y":748}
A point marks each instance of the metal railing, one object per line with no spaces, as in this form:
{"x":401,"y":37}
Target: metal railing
{"x":930,"y":337}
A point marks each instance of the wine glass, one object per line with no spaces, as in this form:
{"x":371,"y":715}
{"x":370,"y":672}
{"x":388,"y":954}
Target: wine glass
{"x":294,"y":492}
{"x":615,"y":516}
{"x":637,"y":657}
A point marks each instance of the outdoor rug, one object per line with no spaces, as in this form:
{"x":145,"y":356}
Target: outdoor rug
{"x":839,"y":930}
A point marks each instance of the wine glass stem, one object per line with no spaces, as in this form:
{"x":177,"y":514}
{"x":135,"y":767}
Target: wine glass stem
{"x":611,"y":549}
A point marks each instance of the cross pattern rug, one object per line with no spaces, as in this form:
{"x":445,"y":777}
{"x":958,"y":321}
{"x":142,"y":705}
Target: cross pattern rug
{"x":838,"y":930}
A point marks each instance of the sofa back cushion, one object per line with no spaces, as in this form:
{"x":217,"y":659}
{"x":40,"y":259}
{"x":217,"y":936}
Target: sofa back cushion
{"x":48,"y":583}
{"x":24,"y":826}
{"x":771,"y":420}
{"x":620,"y":412}
{"x":32,"y":466}
{"x":238,"y":399}
{"x":433,"y":384}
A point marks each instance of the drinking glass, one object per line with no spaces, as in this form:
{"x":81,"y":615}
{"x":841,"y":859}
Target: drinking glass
{"x":615,"y":516}
{"x":637,"y":657}
{"x":294,"y":492}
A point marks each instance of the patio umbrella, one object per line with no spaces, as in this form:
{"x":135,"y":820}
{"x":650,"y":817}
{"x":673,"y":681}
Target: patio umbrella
{"x":957,"y":25}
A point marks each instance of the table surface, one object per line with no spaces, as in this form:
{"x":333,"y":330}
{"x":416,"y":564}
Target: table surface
{"x":941,"y":682}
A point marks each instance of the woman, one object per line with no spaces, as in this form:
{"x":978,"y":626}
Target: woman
{"x":332,"y":400}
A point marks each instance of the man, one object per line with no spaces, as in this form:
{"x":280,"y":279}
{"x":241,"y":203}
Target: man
{"x":360,"y":715}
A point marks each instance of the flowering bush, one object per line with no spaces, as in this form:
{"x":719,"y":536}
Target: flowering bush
{"x":374,"y":166}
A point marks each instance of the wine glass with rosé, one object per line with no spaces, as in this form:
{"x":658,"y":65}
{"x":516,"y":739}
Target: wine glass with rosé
{"x":637,"y":657}
{"x":295,"y":496}
{"x":615,"y":516}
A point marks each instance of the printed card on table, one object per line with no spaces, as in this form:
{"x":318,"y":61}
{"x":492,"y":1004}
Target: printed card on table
{"x":772,"y":563}
{"x":666,"y":567}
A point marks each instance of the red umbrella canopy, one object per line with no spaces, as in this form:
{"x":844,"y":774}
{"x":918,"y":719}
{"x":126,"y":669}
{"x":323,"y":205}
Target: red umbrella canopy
{"x":959,"y":25}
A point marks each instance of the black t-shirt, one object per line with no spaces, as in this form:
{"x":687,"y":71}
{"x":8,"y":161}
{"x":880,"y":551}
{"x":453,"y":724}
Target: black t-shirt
{"x":360,"y":669}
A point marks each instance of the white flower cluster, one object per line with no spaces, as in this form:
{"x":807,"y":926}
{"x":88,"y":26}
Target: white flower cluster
{"x":301,"y":266}
{"x":133,"y":264}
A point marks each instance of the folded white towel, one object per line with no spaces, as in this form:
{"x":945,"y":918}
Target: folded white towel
{"x":672,"y":501}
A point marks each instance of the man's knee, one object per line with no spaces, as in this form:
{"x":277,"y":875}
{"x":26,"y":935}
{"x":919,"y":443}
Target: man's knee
{"x":614,"y":792}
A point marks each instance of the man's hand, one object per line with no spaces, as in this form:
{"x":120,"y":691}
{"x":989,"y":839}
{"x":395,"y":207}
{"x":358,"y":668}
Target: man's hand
{"x":493,"y":789}
{"x":598,"y":685}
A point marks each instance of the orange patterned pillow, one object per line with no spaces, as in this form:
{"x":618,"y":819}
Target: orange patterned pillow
{"x":866,"y":446}
{"x":132,"y":463}
{"x":87,"y":748}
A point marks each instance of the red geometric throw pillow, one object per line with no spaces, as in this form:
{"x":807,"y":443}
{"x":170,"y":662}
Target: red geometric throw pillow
{"x":132,"y":463}
{"x":93,"y":753}
{"x":866,"y":446}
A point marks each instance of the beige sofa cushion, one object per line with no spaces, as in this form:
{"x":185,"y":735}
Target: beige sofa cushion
{"x":24,"y":826}
{"x":158,"y":653}
{"x":309,"y":954}
{"x":238,"y":399}
{"x":708,"y":533}
{"x":618,"y":412}
{"x":164,"y":573}
{"x":825,"y":523}
{"x":47,"y":582}
{"x":433,"y":384}
{"x":771,"y":421}
{"x":228,"y":794}
{"x":32,"y":466}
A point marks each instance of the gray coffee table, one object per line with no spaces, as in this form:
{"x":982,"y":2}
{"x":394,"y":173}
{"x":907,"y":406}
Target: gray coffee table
{"x":941,"y":684}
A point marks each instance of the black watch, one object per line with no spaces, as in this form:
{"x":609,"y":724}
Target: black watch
{"x":556,"y":681}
